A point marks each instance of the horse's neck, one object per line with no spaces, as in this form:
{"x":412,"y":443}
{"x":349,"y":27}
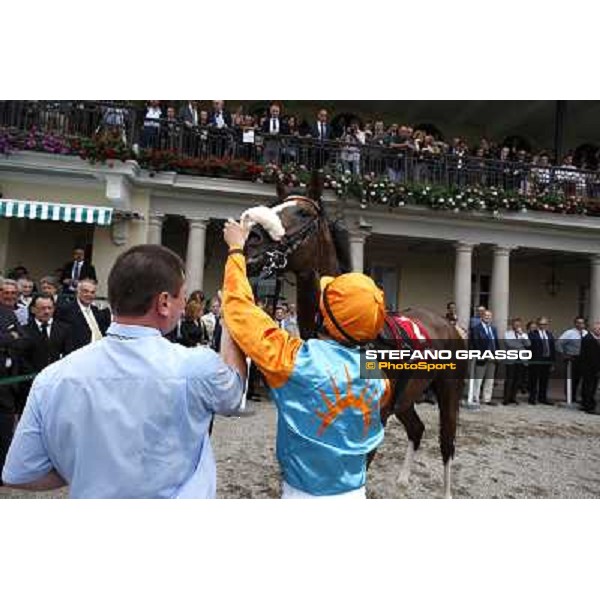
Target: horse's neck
{"x":327,"y":260}
{"x":307,"y":302}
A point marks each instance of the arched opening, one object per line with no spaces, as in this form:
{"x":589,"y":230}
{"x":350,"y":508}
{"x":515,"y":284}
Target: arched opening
{"x":518,"y":142}
{"x":430,"y":129}
{"x":586,"y":156}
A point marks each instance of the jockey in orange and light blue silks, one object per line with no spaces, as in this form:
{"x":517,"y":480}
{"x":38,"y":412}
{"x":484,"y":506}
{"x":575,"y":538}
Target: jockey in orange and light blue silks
{"x":328,"y":416}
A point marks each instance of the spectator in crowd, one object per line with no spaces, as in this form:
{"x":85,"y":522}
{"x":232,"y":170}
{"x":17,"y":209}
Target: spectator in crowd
{"x":543,"y":355}
{"x":589,"y":359}
{"x":188,"y":114}
{"x":273,"y":127}
{"x":211,"y":319}
{"x":399,"y":142}
{"x":220,"y":121}
{"x":18,"y":272}
{"x":322,"y":132}
{"x":451,"y":310}
{"x":11,"y":341}
{"x":171,"y":130}
{"x":9,"y":295}
{"x":515,"y":338}
{"x":88,"y":324}
{"x":193,"y":330}
{"x":291,"y":145}
{"x":128,"y":417}
{"x":569,"y":345}
{"x":353,"y":139}
{"x":219,"y":117}
{"x":151,"y":126}
{"x":484,"y":337}
{"x":76,"y":270}
{"x":50,"y":285}
{"x":478,"y":317}
{"x":26,"y":289}
{"x":46,"y":340}
{"x":114,"y":121}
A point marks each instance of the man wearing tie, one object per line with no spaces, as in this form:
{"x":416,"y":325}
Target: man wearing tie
{"x":321,"y":131}
{"x":484,"y":337}
{"x":272,"y":128}
{"x":47,"y":340}
{"x":76,"y":270}
{"x":88,"y":324}
{"x":543,"y":354}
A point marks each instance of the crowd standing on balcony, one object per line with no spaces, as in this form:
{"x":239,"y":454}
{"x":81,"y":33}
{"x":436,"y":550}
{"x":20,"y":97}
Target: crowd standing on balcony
{"x":344,"y":143}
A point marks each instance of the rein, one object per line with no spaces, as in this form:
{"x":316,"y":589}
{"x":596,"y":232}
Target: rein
{"x":277,"y":259}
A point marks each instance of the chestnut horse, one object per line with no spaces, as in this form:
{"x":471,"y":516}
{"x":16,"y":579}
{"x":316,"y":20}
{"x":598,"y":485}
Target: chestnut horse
{"x":312,"y":246}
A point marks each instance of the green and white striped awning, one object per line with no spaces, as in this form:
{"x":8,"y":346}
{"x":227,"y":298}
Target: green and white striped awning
{"x":54,"y":211}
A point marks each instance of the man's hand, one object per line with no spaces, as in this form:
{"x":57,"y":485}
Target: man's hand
{"x":234,"y":234}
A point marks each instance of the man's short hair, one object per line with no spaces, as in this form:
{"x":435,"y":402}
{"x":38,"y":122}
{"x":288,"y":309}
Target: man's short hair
{"x":87,"y":280}
{"x":139,"y":275}
{"x":11,"y":282}
{"x":36,"y":297}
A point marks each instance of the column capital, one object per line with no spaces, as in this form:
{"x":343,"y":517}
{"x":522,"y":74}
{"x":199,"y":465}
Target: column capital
{"x":195,"y":223}
{"x":595,"y":260}
{"x":156,"y":218}
{"x":503,"y":250}
{"x":464,"y":246}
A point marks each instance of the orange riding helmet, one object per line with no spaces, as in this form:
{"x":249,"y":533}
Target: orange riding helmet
{"x":352,"y":307}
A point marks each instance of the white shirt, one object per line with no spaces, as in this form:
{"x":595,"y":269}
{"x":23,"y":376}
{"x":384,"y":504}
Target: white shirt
{"x":91,"y":321}
{"x":39,"y":326}
{"x":152,"y":116}
{"x":569,"y":342}
{"x":274,"y":125}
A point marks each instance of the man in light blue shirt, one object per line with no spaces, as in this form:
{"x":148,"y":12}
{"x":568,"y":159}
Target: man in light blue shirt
{"x":128,"y":416}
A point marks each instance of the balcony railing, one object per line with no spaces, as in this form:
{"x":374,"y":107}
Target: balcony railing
{"x":73,"y":119}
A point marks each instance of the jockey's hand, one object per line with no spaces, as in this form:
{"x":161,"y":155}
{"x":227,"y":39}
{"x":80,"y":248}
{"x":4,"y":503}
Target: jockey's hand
{"x":234,"y":234}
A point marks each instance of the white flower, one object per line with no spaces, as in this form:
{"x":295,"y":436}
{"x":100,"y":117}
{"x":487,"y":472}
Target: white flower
{"x":372,"y":193}
{"x":384,"y":199}
{"x":456,"y":210}
{"x":401,"y":203}
{"x":441,"y":201}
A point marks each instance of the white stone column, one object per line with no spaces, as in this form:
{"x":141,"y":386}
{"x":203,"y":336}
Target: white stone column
{"x":357,"y":250}
{"x":154,"y":233}
{"x":462,"y":283}
{"x":499,"y":293}
{"x":594,"y":289}
{"x":194,"y":262}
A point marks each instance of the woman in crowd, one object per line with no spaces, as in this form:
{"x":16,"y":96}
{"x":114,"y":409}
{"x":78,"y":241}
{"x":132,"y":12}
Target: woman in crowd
{"x":193,"y":331}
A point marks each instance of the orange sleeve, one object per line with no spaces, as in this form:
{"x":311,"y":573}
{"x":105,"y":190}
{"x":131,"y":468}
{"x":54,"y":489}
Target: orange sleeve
{"x":271,"y":348}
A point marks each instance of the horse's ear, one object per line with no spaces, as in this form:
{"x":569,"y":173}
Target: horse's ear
{"x":315,"y":187}
{"x":282,"y":191}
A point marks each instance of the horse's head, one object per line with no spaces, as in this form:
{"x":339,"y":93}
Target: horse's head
{"x":283,"y":237}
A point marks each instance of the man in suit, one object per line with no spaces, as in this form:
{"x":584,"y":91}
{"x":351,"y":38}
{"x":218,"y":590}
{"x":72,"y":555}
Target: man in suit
{"x":273,"y":127}
{"x":47,"y":340}
{"x":569,"y":345}
{"x":543,"y":354}
{"x":322,"y":133}
{"x":77,"y":270}
{"x":88,"y":323}
{"x":589,"y":359}
{"x":484,"y":337}
{"x":220,"y":122}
